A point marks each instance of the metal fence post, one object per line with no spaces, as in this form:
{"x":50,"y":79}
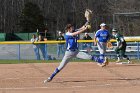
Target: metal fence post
{"x":18,"y":51}
{"x":46,"y":52}
{"x":138,"y":51}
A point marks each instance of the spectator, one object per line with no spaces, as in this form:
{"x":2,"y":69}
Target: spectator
{"x":42,"y":46}
{"x":87,"y":45}
{"x":35,"y":46}
{"x":87,"y":37}
{"x":60,"y":46}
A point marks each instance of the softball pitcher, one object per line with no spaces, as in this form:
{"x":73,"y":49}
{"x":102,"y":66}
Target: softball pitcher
{"x":101,"y":38}
{"x":72,"y":50}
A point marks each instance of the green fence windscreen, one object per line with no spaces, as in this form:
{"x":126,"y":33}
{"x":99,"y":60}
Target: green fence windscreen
{"x":2,"y":36}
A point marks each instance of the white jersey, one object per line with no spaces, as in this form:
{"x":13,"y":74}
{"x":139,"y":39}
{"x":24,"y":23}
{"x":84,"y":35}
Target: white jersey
{"x":34,"y":40}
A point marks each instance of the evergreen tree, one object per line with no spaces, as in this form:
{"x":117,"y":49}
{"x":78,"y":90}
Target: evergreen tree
{"x":31,"y":18}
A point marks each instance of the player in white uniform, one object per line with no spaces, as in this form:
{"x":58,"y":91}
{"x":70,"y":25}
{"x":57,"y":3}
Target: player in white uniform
{"x":102,"y":36}
{"x":72,"y":50}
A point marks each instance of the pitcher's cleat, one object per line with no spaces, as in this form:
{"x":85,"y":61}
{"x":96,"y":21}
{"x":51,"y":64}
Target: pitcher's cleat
{"x":48,"y":80}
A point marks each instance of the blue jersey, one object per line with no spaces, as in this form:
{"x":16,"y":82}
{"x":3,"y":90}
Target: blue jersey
{"x":71,"y":41}
{"x":102,"y":35}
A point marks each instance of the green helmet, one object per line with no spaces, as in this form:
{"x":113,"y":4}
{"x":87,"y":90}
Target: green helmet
{"x":114,"y":30}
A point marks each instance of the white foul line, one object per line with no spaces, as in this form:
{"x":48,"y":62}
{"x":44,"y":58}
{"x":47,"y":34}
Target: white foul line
{"x":26,"y":88}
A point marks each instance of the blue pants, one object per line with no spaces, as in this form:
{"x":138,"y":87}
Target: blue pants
{"x":60,"y":49}
{"x":36,"y":50}
{"x":42,"y":48}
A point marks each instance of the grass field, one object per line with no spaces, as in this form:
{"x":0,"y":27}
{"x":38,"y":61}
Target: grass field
{"x":51,"y":61}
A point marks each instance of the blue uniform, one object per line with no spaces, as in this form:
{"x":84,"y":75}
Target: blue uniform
{"x":71,"y":42}
{"x":102,"y":36}
{"x":72,"y":51}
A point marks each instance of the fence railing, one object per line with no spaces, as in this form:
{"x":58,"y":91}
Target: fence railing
{"x":24,"y":49}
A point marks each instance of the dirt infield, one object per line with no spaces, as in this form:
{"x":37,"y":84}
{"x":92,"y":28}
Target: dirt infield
{"x":75,"y":78}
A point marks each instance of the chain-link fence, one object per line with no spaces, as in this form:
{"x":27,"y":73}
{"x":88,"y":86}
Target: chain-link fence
{"x":25,"y":51}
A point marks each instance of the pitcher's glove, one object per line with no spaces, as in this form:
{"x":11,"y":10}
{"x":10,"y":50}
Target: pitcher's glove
{"x":88,"y":14}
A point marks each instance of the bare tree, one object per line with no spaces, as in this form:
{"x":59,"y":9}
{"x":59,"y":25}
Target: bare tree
{"x":58,"y":13}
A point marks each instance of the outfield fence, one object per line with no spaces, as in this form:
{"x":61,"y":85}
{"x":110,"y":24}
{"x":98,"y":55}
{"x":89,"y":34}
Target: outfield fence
{"x":23,"y":50}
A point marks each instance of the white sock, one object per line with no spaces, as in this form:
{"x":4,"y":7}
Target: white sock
{"x":119,"y":58}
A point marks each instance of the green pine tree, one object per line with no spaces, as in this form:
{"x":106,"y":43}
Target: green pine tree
{"x":31,"y":18}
